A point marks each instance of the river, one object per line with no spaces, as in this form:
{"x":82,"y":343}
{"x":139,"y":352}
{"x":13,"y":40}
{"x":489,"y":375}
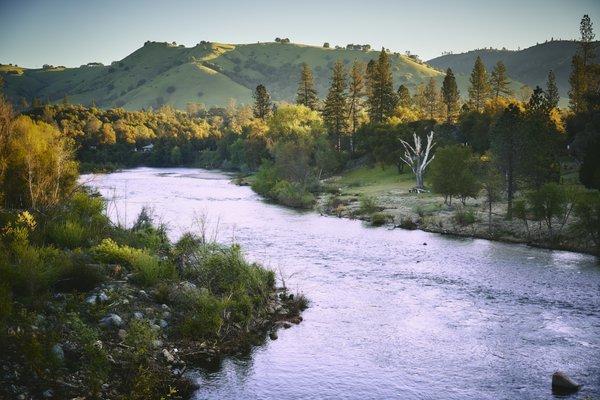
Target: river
{"x":394,"y":313}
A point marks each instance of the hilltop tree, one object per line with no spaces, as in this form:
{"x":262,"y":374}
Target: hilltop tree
{"x":262,"y":102}
{"x":404,"y":99}
{"x":499,"y":82}
{"x":552,"y":95}
{"x":307,"y":94}
{"x":450,"y":95}
{"x":480,"y":88}
{"x":335,"y":111}
{"x":587,"y":40}
{"x":431,"y":99}
{"x":382,"y":99}
{"x":355,"y":95}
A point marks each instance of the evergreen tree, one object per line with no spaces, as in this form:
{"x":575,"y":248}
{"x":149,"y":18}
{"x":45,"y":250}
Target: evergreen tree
{"x":404,"y":99}
{"x":587,"y":40}
{"x":552,"y":95}
{"x":450,"y":95}
{"x":335,"y":111}
{"x":479,"y":89}
{"x":307,"y":95}
{"x":431,"y":99}
{"x":355,"y":95}
{"x":262,"y":102}
{"x":382,"y":99}
{"x":499,"y":82}
{"x":577,"y":79}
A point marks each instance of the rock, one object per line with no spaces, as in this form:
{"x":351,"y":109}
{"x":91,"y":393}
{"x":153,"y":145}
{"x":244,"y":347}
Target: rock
{"x":166,"y":314}
{"x":58,"y":352}
{"x":168,"y":356}
{"x":48,"y":393}
{"x":112,"y":321}
{"x":138,"y":315}
{"x":102,"y":297}
{"x":155,"y":327}
{"x":283,"y":324}
{"x":163,"y":324}
{"x":21,"y":397}
{"x":105,"y":386}
{"x":143,"y":294}
{"x":296,"y":320}
{"x":91,"y":299}
{"x":191,"y":380}
{"x":98,"y":344}
{"x":164,"y":307}
{"x":273,"y":335}
{"x":424,"y":244}
{"x":563,"y":384}
{"x":122,"y":334}
{"x":157,"y":343}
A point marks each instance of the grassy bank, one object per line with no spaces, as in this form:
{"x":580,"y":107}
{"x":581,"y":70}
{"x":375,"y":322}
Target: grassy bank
{"x":93,"y":310}
{"x":383,"y":197}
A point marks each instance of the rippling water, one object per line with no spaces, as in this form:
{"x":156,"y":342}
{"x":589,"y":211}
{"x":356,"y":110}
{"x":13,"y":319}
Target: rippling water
{"x":394,"y":313}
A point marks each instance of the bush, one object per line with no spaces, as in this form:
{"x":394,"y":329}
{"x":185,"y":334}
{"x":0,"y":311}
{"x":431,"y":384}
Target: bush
{"x":367,"y":205}
{"x":203,"y":318}
{"x":379,"y":219}
{"x":67,"y":234}
{"x":291,"y":194}
{"x":265,"y":179}
{"x":464,"y":217}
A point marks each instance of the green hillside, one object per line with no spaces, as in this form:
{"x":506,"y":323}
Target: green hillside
{"x":209,"y":73}
{"x":530,"y":65}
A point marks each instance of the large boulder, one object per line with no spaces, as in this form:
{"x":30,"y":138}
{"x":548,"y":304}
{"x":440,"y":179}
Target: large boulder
{"x":562,"y":383}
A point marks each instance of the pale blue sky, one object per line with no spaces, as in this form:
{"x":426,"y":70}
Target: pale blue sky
{"x":74,"y":32}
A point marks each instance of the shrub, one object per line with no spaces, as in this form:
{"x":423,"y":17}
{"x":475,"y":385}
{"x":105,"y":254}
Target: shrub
{"x":203,"y":319}
{"x":265,"y":178}
{"x":140,"y":337}
{"x":378,"y":219}
{"x":67,"y":234}
{"x":408,"y":223}
{"x":292,"y":194}
{"x":367,"y":205}
{"x":464,"y":217}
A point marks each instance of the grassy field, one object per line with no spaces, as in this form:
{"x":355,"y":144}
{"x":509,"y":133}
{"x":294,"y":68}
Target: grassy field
{"x":209,"y":73}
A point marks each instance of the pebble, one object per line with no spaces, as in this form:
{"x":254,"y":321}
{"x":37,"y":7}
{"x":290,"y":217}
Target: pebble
{"x":122,"y":334}
{"x":164,"y":306}
{"x":48,"y":393}
{"x":58,"y":352}
{"x":168,"y":356}
{"x":163,"y":323}
{"x":112,"y":320}
{"x":138,"y":315}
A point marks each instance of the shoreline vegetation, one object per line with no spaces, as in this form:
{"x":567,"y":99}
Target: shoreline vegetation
{"x":93,"y":309}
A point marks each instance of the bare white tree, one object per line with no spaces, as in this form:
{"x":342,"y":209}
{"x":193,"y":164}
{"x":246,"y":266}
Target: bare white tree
{"x":418,"y":157}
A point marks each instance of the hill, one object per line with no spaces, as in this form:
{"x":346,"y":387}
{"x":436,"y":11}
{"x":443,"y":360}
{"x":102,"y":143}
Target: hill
{"x":530,"y":65}
{"x":209,"y":73}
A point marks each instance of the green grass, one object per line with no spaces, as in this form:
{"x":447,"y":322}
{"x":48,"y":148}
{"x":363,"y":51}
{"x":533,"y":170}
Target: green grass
{"x":375,"y":181}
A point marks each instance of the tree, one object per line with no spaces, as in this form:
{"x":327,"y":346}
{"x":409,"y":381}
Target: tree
{"x":500,"y":85}
{"x":492,"y":185}
{"x":479,"y":89}
{"x":450,"y":95}
{"x":506,"y":148}
{"x":262,"y":102}
{"x":548,"y":203}
{"x":356,"y":93}
{"x":587,"y":211}
{"x":404,"y":99}
{"x":382,"y":99}
{"x":578,"y":82}
{"x":418,"y":157}
{"x":307,"y":95}
{"x":452,"y":173}
{"x":587,"y":40}
{"x":431,"y":99}
{"x":335,"y":111}
{"x":552,"y":95}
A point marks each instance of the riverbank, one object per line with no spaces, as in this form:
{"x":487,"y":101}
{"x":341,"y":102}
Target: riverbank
{"x":384,"y":197}
{"x":93,"y":310}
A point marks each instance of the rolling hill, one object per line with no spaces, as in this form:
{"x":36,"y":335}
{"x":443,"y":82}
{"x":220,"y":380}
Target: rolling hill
{"x":529,"y":65}
{"x":209,"y":73}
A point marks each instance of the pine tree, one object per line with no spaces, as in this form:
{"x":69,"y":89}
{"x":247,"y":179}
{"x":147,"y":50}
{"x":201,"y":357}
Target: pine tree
{"x":577,"y":79}
{"x":479,"y":89}
{"x":262,"y":102}
{"x":382,"y":99}
{"x":431,"y":99}
{"x":587,"y":40}
{"x":335,"y":111}
{"x":450,"y":95}
{"x":404,"y":99}
{"x":499,"y":82}
{"x":307,"y":95}
{"x":552,"y":95}
{"x":355,"y":95}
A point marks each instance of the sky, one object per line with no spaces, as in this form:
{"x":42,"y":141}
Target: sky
{"x":75,"y":32}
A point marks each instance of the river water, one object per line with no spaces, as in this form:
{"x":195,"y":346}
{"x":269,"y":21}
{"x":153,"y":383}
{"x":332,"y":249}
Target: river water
{"x":394,"y":313}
